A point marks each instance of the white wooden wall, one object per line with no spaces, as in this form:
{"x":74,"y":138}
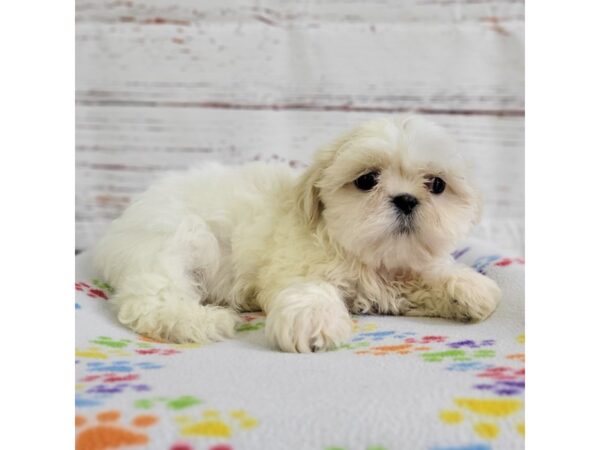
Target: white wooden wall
{"x":164,"y":84}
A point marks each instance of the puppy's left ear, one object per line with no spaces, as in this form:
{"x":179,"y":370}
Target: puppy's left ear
{"x":308,"y":191}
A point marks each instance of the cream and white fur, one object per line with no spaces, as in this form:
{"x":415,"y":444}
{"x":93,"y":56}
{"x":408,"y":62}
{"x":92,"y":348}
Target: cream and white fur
{"x":200,"y":246}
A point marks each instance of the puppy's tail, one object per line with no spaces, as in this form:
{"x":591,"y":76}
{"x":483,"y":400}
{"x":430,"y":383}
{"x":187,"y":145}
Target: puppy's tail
{"x":152,"y":306}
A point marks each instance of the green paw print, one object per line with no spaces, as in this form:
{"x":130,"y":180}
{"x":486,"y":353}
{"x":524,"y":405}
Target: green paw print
{"x":457,"y":355}
{"x":353,"y":345}
{"x":103,"y":285}
{"x":177,"y":403}
{"x":112,"y":343}
{"x":250,"y":326}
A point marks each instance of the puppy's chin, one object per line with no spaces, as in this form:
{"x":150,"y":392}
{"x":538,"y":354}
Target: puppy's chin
{"x":389,"y":242}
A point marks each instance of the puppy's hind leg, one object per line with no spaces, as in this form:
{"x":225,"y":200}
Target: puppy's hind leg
{"x":163,"y":281}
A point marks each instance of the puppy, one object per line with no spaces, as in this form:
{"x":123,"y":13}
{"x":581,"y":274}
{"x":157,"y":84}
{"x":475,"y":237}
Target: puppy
{"x":367,"y":228}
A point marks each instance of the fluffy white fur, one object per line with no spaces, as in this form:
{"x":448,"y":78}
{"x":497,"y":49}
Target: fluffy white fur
{"x":308,"y":250}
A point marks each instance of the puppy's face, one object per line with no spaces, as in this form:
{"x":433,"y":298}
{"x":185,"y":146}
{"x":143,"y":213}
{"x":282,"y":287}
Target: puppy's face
{"x":393,"y":192}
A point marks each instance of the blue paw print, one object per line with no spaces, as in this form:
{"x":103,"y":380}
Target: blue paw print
{"x":381,"y":335}
{"x":83,"y":402}
{"x":482,"y":263}
{"x":503,"y":387}
{"x":471,"y":344}
{"x":465,"y":366}
{"x":121,"y":366}
{"x":458,"y":253}
{"x":117,"y":388}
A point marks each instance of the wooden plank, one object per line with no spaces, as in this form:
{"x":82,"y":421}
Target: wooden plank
{"x":120,"y":150}
{"x":438,"y":68}
{"x":290,"y":13}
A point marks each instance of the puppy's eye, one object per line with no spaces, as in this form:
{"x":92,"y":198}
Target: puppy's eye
{"x":367,"y":181}
{"x":436,"y":185}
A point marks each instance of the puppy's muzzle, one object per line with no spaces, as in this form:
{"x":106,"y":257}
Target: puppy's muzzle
{"x":405,"y":203}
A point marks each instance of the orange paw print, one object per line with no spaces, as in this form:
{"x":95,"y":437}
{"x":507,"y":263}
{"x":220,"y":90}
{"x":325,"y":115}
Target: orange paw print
{"x":108,"y":434}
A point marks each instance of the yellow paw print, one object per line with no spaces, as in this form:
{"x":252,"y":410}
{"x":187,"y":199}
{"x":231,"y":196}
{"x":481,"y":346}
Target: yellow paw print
{"x":363,"y":327}
{"x":488,"y":415}
{"x":213,"y":424}
{"x":100,"y":353}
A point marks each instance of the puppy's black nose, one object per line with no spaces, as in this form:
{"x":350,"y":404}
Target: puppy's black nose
{"x":405,"y":203}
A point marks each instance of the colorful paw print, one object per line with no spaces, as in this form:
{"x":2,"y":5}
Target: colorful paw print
{"x":100,"y":353}
{"x":504,"y":380}
{"x":98,"y":289}
{"x":117,"y":388}
{"x":457,"y":355}
{"x":359,"y":327}
{"x":467,"y":366}
{"x":143,"y":346}
{"x":112,"y":343}
{"x":487,"y":416}
{"x":468,"y":343}
{"x":395,"y":349}
{"x":460,"y":252}
{"x":107,"y":433}
{"x":376,"y":336}
{"x":482,"y":263}
{"x":503,"y":388}
{"x":148,"y":343}
{"x":121,"y":366}
{"x":503,"y":373}
{"x":367,"y":336}
{"x":216,"y":425}
{"x":251,"y":322}
{"x":176,"y":403}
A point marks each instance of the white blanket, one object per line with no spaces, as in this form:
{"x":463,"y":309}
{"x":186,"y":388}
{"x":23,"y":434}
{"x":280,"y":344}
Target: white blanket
{"x":399,"y":383}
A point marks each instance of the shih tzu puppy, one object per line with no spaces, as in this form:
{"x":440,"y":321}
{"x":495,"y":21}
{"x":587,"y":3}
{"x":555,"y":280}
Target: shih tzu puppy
{"x":367,"y":228}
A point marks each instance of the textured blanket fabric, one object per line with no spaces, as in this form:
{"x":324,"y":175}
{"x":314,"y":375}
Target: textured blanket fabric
{"x":398,"y":383}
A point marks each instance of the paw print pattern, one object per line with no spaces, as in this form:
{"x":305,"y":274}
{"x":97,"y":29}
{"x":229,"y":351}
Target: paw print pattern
{"x":251,"y":322}
{"x":121,"y":366}
{"x":487,"y":416}
{"x":176,"y":403}
{"x":460,"y":252}
{"x":112,"y":343}
{"x":482,"y":263}
{"x":503,"y":388}
{"x":107,"y":433}
{"x":100,"y":353}
{"x":467,"y":366}
{"x":359,"y":327}
{"x":148,"y":343}
{"x":105,"y":384}
{"x":458,"y":355}
{"x":376,"y":336}
{"x":117,"y":388}
{"x":471,"y":344}
{"x":503,"y":373}
{"x":504,"y":380}
{"x":214,"y":424}
{"x":97,"y":289}
{"x":106,"y":346}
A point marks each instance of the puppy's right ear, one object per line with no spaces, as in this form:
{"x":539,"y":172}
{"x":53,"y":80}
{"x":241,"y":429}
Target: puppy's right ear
{"x":308,"y":191}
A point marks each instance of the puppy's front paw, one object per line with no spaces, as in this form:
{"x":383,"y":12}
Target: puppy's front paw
{"x":308,"y":317}
{"x":473,"y":297}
